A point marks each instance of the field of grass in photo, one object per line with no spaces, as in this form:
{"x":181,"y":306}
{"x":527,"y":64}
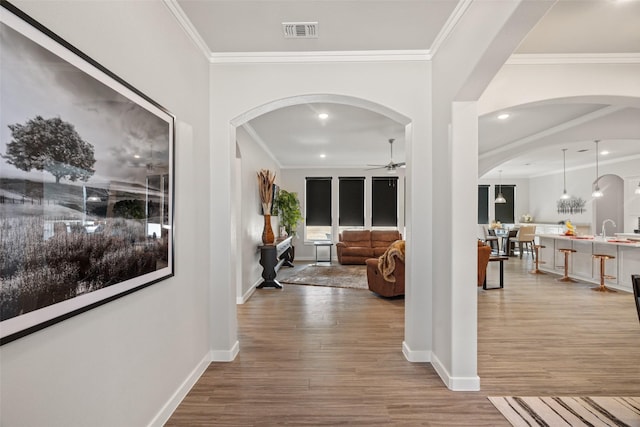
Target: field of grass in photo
{"x":36,"y":272}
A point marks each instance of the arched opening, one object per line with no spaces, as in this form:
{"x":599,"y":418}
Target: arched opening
{"x":246,"y":275}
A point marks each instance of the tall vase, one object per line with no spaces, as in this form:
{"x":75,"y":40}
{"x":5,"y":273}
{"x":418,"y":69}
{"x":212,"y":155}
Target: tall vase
{"x":267,"y":232}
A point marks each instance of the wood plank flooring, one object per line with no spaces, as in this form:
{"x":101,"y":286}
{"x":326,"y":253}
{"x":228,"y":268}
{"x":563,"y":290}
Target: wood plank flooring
{"x":327,"y":356}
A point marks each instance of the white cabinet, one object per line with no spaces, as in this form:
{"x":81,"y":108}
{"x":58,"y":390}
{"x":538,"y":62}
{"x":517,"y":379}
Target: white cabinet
{"x":628,"y":264}
{"x":583,"y":266}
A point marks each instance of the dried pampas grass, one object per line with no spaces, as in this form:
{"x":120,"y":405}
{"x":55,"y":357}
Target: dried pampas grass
{"x":265,"y":185}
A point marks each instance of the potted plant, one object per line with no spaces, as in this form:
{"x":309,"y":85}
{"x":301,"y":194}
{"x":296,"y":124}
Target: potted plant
{"x":287,"y":205}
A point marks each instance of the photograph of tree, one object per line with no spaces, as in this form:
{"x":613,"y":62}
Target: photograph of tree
{"x":86,"y":182}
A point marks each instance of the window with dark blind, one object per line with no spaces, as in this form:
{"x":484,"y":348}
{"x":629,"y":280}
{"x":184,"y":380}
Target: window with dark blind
{"x":318,"y":201}
{"x":384,"y":201}
{"x":483,"y":204}
{"x":505,"y":211}
{"x":351,"y":201}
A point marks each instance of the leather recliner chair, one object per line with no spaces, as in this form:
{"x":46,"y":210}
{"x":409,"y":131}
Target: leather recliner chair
{"x":484,"y":253}
{"x":379,"y":285}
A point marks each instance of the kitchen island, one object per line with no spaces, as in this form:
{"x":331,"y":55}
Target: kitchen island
{"x":581,"y":264}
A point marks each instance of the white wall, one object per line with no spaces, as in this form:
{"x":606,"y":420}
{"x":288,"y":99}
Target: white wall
{"x":631,"y":204}
{"x":486,"y":35}
{"x":120,"y":363}
{"x":399,"y":86}
{"x":253,"y":159}
{"x":545,"y":191}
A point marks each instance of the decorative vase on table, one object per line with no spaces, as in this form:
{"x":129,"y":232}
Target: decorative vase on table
{"x":267,"y":232}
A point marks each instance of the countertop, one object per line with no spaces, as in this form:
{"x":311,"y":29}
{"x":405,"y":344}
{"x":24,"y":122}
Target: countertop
{"x":614,"y":240}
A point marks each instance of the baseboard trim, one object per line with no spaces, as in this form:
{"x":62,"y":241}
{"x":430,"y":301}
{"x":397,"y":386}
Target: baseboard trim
{"x":225,"y":355}
{"x":244,"y":298}
{"x":174,"y":401}
{"x":415,"y":356}
{"x":454,"y":383}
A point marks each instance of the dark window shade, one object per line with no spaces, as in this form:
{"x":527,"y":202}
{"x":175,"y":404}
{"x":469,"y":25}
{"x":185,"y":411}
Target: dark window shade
{"x":318,"y":201}
{"x":384,"y":201}
{"x":351,"y":201}
{"x":504,"y":211}
{"x":483,"y":204}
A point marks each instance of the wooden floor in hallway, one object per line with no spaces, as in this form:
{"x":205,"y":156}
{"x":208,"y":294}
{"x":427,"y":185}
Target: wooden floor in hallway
{"x":329,"y":356}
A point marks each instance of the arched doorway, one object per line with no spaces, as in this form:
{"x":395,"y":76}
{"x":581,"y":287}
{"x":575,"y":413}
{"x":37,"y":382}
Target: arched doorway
{"x":245,"y":275}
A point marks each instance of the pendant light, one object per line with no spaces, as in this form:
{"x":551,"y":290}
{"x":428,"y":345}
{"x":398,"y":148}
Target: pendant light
{"x":500,"y":198}
{"x":565,"y":195}
{"x":596,"y":191}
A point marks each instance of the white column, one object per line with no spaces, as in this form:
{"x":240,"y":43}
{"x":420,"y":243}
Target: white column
{"x":464,"y":208}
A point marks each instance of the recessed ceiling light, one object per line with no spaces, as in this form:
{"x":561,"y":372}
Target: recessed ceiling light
{"x":503,"y":116}
{"x":323,"y":116}
{"x":604,"y":152}
{"x":322,"y":156}
{"x":136,"y":156}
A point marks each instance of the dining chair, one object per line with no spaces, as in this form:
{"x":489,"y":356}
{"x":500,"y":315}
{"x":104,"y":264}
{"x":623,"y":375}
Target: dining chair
{"x":525,"y":238}
{"x":491,"y":239}
{"x":507,"y":242}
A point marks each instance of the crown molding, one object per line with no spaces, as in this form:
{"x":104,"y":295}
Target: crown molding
{"x":451,"y":23}
{"x":321,"y":56}
{"x":573,"y":58}
{"x":187,"y":26}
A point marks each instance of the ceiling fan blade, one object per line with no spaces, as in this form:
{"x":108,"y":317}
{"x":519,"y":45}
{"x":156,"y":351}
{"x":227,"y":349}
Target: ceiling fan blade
{"x":391,"y":166}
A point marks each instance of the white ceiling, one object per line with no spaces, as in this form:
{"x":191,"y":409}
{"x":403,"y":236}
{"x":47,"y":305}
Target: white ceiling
{"x":256,"y":25}
{"x":353,"y":137}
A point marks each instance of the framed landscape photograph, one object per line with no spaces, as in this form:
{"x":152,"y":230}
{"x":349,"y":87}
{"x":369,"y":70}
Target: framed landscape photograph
{"x":86,"y":181}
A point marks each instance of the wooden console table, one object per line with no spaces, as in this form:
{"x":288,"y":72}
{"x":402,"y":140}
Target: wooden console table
{"x":272,"y":257}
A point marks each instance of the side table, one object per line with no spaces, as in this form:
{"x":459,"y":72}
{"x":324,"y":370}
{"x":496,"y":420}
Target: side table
{"x":501,"y":259}
{"x":321,"y":243}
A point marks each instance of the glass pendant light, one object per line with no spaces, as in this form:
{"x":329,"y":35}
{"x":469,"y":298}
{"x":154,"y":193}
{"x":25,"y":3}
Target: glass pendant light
{"x":500,"y":198}
{"x":596,"y":190}
{"x":565,"y":195}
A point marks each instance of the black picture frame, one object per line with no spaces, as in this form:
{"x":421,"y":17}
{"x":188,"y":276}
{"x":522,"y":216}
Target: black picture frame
{"x":91,"y":225}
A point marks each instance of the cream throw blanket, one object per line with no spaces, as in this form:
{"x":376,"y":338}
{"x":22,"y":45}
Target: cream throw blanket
{"x":387,"y":262}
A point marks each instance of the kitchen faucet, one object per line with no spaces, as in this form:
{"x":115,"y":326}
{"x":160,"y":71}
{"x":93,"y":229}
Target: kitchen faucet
{"x":604,"y":236}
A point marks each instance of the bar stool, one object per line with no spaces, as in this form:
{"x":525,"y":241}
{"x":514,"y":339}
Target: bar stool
{"x":566,"y":277}
{"x":536,"y":249}
{"x":603,"y":258}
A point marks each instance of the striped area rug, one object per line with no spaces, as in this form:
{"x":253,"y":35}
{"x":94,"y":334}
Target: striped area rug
{"x":569,"y":411}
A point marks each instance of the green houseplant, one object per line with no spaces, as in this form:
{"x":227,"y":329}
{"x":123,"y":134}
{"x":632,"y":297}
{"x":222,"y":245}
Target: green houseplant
{"x":287,"y":205}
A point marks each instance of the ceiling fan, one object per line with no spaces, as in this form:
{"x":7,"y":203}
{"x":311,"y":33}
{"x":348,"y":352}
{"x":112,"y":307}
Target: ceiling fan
{"x":391,"y":166}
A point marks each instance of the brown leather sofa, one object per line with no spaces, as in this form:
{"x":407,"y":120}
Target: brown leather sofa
{"x":484,"y":253}
{"x":356,"y":246}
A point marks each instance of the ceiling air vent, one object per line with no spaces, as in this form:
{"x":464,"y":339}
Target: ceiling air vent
{"x":300,"y":30}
